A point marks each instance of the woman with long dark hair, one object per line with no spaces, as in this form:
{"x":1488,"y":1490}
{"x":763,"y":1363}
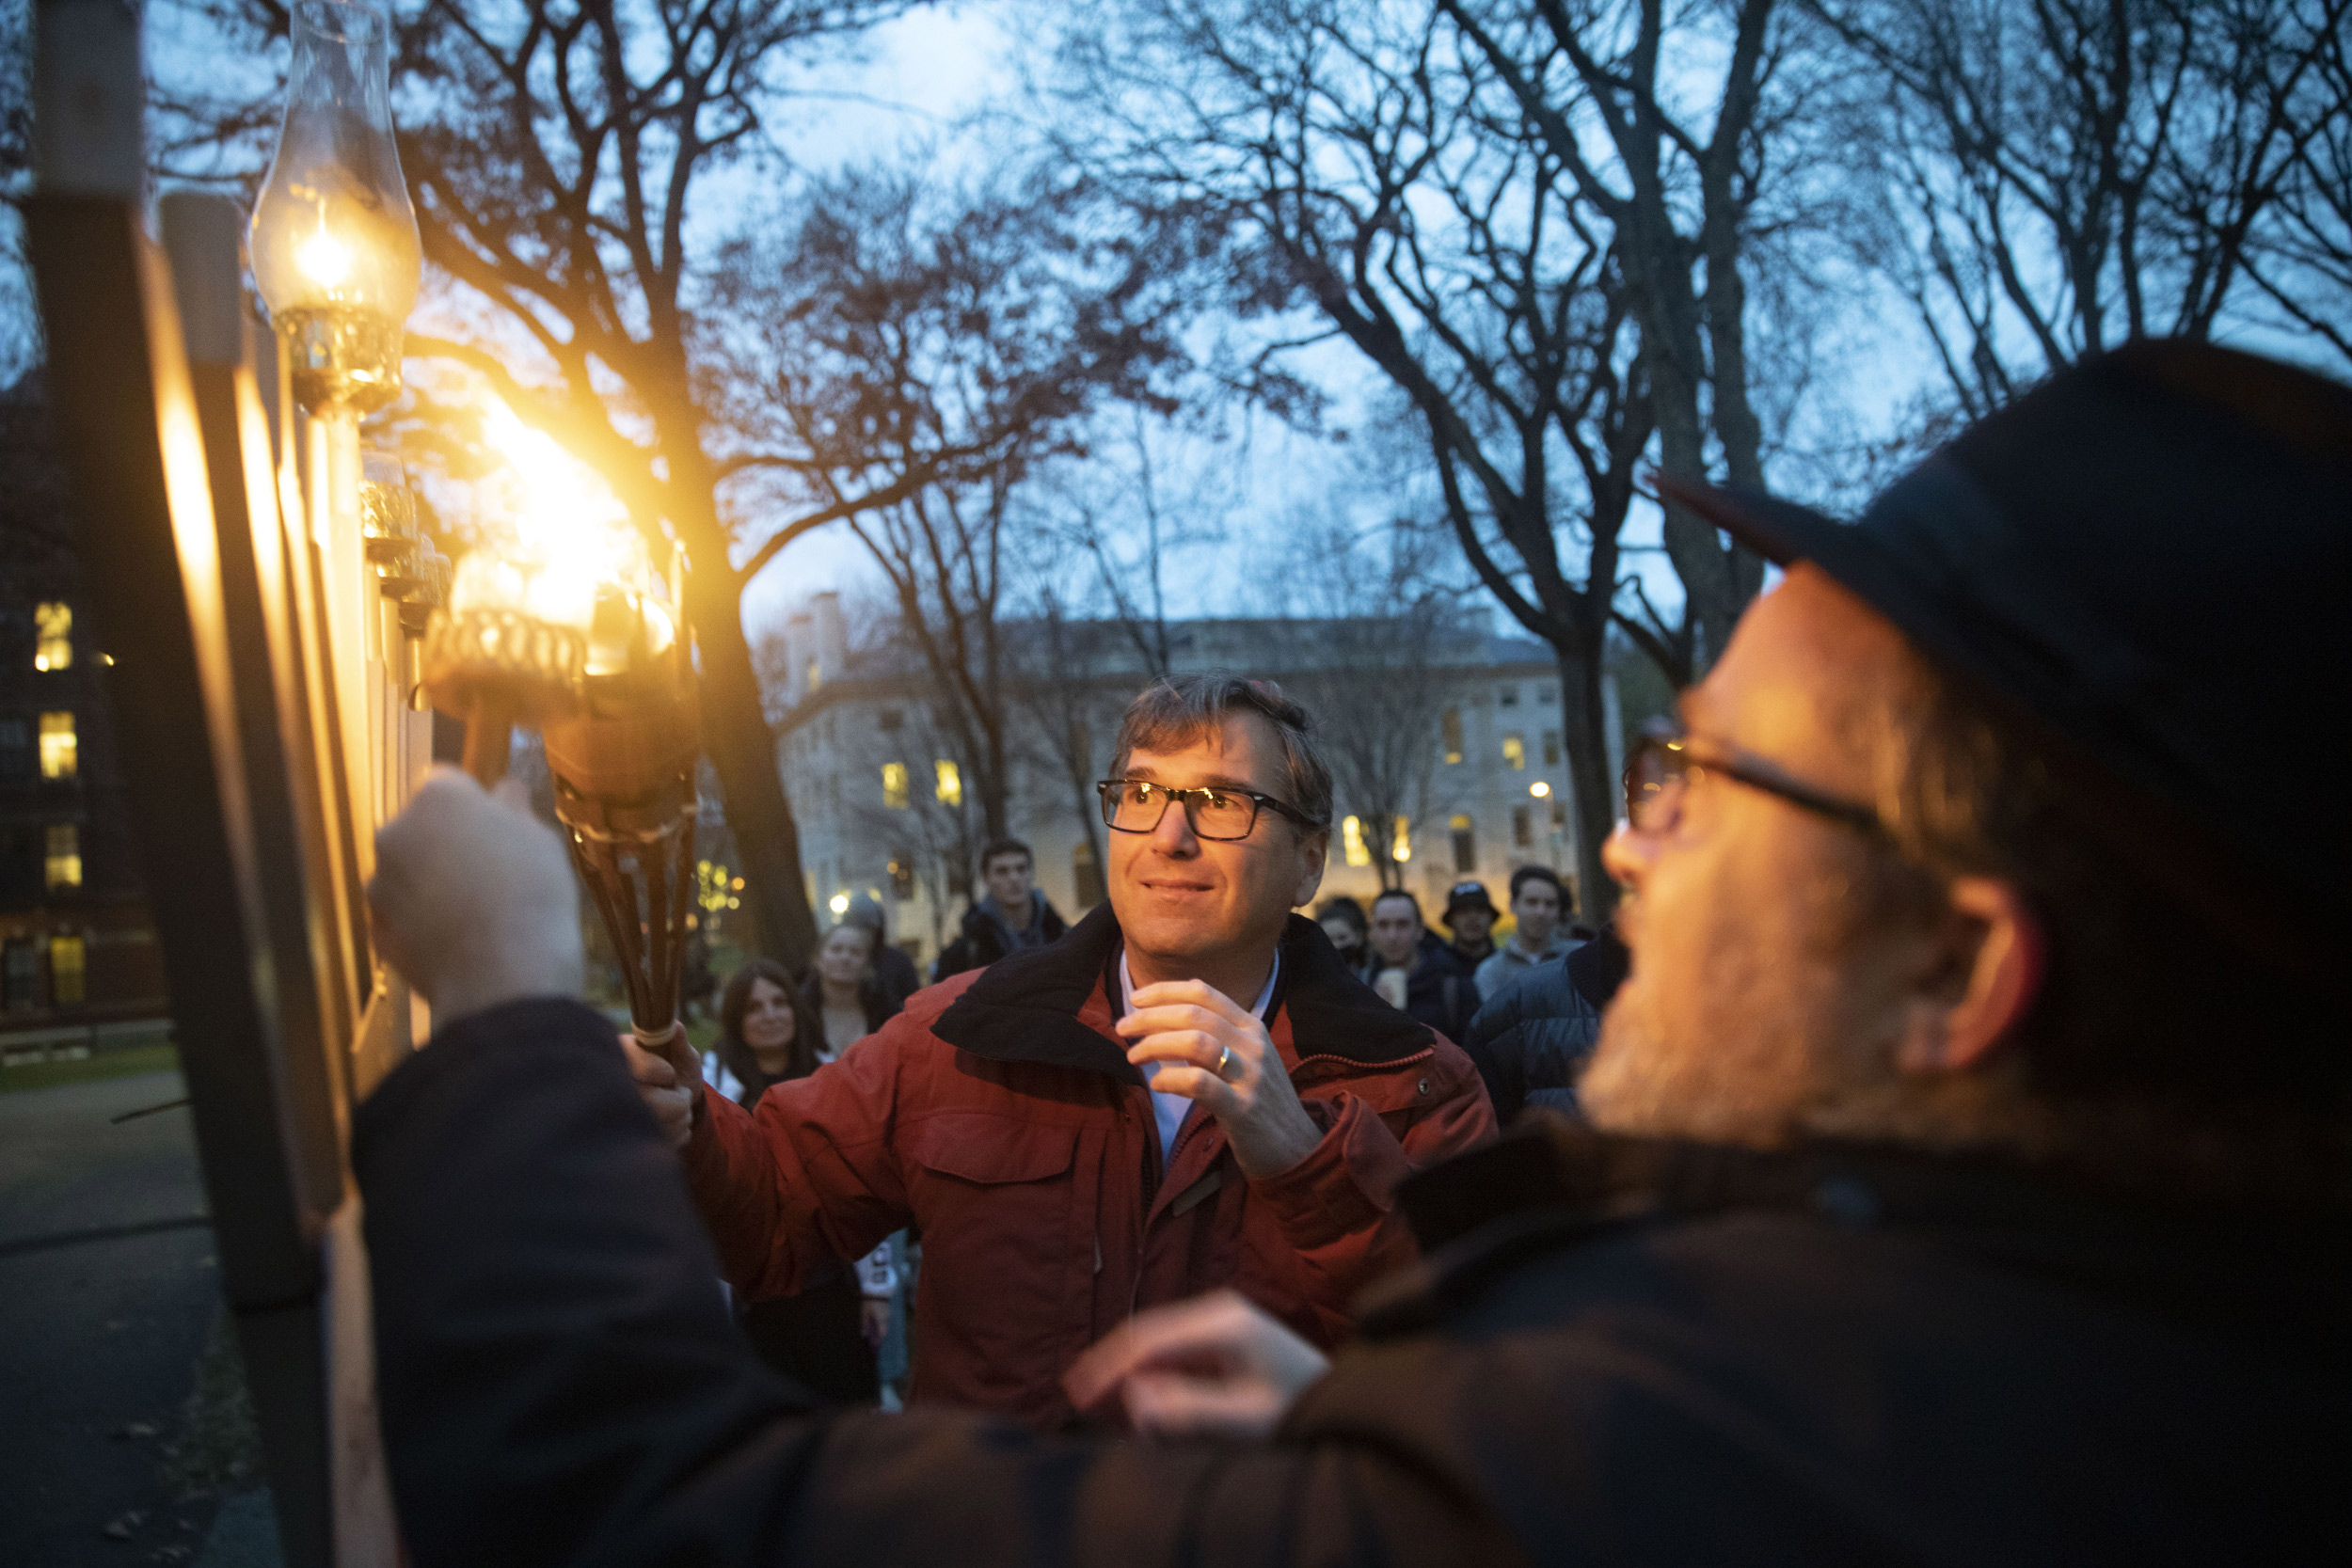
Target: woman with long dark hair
{"x":825,"y":1337}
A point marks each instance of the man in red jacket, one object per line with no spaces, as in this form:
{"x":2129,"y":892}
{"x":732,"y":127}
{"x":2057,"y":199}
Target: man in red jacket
{"x":1189,"y":1090}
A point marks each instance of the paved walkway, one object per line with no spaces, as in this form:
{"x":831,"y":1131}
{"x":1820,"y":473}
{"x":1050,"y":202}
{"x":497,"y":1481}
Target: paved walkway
{"x":108,"y":1286}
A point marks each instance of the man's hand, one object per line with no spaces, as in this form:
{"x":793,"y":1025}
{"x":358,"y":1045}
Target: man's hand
{"x":473,"y":898}
{"x":1211,"y":1366}
{"x":873,"y":1321}
{"x":669,"y":1080}
{"x":1190,"y":1028}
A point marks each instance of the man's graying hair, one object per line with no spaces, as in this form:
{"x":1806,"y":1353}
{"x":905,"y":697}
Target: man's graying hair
{"x":1176,"y":710}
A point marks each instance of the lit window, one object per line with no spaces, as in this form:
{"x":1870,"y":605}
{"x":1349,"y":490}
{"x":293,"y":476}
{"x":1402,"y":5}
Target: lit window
{"x":816,"y":675}
{"x":1401,"y":849}
{"x":1514,"y":750}
{"x":64,"y":865}
{"x":68,"y":971}
{"x":1352,"y":838}
{"x":1551,"y":748}
{"x":1465,"y":846}
{"x":1522,"y":828}
{"x":60,"y":755}
{"x":53,"y":636}
{"x":894,"y":786}
{"x":1452,"y":726}
{"x":951,"y":787}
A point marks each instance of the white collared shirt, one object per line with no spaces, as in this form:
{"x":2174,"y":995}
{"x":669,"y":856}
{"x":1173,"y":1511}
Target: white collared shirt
{"x":1168,"y":1110}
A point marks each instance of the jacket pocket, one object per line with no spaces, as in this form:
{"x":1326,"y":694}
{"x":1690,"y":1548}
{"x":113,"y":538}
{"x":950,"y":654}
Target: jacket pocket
{"x":995,"y":1197}
{"x":977,"y":1146}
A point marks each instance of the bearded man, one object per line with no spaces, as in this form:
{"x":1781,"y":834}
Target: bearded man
{"x":1971,"y":1182}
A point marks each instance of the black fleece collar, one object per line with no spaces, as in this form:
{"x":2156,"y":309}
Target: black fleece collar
{"x":1550,"y":1183}
{"x":1024,"y":1007}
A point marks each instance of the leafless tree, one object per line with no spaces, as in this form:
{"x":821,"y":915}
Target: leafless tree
{"x":556,"y":151}
{"x":1376,"y":621}
{"x":19,"y":328}
{"x":1682,"y":162}
{"x":898,"y":321}
{"x":1069,"y":690}
{"x":933,"y":838}
{"x":1360,"y":172}
{"x":2062,"y":176}
{"x":2305,"y":268}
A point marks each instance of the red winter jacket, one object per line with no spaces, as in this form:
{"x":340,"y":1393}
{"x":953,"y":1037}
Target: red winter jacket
{"x":1000,"y":1115}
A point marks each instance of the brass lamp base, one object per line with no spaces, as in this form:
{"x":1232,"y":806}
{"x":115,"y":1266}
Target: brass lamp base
{"x":496,"y":669}
{"x":345,"y":359}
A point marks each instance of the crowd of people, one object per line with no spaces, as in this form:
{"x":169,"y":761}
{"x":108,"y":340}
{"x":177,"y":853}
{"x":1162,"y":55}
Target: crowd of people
{"x":1942,"y":1158}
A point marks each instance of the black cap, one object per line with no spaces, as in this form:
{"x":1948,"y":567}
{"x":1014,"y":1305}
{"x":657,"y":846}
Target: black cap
{"x":2150,"y":556}
{"x":1467,"y":896}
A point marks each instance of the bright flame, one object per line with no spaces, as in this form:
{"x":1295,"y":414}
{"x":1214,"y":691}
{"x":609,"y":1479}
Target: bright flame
{"x":570,"y":525}
{"x":323,"y":258}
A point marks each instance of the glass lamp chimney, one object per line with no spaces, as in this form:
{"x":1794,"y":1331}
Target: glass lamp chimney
{"x":334,"y":239}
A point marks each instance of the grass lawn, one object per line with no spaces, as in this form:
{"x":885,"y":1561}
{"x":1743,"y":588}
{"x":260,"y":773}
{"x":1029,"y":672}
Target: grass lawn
{"x":103,"y":1063}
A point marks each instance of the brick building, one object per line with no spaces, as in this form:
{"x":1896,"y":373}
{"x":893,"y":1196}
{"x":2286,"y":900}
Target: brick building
{"x":77,"y":948}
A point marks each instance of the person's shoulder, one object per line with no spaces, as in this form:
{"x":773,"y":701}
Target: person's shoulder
{"x":923,"y":1008}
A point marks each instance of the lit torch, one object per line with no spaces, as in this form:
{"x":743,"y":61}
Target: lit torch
{"x":563,"y":624}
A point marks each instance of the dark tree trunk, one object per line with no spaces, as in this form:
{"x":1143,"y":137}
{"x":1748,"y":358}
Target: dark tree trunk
{"x":1586,"y":720}
{"x":743,"y":751}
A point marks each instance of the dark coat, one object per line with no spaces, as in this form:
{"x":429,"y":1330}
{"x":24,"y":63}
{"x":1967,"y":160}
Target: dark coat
{"x":1530,"y":1041}
{"x":1616,"y":1354}
{"x":981,"y":943}
{"x":895,"y":974}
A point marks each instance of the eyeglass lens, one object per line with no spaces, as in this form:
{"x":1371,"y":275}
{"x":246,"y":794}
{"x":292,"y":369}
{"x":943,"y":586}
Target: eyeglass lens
{"x":1653,"y":785}
{"x":1136,"y":807}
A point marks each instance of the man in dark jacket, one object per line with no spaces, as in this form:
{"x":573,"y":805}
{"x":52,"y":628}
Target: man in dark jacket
{"x":1530,"y":1040}
{"x":1469,"y":919}
{"x":1011,"y":917}
{"x":1973,"y":1181}
{"x":1412,"y":971}
{"x":895,"y":974}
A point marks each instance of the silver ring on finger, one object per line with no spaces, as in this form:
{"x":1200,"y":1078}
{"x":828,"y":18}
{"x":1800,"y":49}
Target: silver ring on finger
{"x":1224,"y":1059}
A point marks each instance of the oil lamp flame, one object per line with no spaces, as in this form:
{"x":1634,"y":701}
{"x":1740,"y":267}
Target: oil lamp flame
{"x":333,"y":238}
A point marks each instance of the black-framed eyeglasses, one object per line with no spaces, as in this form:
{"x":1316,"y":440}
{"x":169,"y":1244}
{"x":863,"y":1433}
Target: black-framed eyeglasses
{"x":1214,"y":812}
{"x":1663,"y":763}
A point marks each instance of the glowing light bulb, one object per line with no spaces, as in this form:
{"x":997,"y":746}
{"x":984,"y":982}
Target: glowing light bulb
{"x":1539,"y":789}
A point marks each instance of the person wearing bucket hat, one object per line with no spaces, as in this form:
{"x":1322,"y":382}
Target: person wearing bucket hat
{"x":1967,"y":1175}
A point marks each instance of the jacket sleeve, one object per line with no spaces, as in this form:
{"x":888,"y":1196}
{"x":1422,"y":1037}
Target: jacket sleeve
{"x":1496,"y":1049}
{"x":809,"y":1178}
{"x":1337,"y":1207}
{"x":558,"y":1382}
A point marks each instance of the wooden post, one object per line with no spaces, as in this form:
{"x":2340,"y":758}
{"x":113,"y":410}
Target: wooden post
{"x":238,"y":616}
